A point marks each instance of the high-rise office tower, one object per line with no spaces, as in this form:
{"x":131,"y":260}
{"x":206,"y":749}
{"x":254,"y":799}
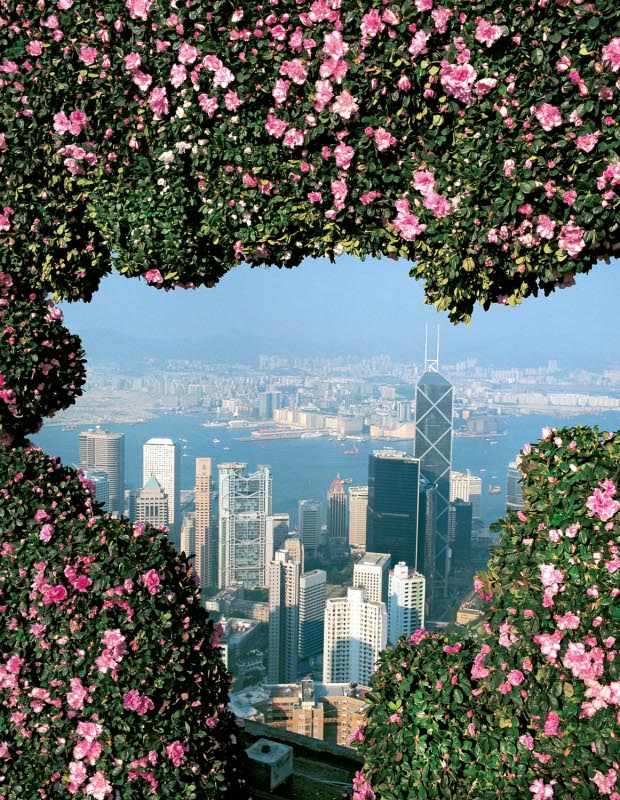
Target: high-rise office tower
{"x":392,"y":521}
{"x":293,"y":545}
{"x":372,"y":571}
{"x":514,"y":490}
{"x":101,"y":450}
{"x":337,"y":515}
{"x":403,"y":410}
{"x":268,"y":402}
{"x":245,"y":525}
{"x":281,"y":527}
{"x":434,"y":400}
{"x":100,"y":481}
{"x":203,"y":529}
{"x":160,"y":457}
{"x":466,"y":487}
{"x":284,"y":574}
{"x":188,"y":536}
{"x":150,"y":504}
{"x":358,"y":510}
{"x":406,"y":602}
{"x":461,"y":519}
{"x":312,"y":599}
{"x":355,"y":634}
{"x":426,"y":535}
{"x":309,"y":525}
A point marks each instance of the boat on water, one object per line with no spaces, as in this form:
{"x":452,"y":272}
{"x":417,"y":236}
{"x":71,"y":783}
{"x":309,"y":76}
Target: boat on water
{"x":354,"y":452}
{"x":346,"y":480}
{"x":216,"y":441}
{"x":225,"y":448}
{"x":312,"y":434}
{"x":495,"y":489}
{"x":275,"y":433}
{"x":494,"y":442}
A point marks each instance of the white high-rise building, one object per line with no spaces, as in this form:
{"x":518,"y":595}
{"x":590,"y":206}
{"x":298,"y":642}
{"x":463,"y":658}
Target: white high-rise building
{"x":245,"y":525}
{"x":188,"y":536}
{"x":468,"y":488}
{"x":355,"y":634}
{"x":284,"y":574}
{"x":309,"y":525}
{"x":293,"y":545}
{"x":358,"y":511}
{"x":312,"y":599}
{"x":514,"y":489}
{"x":101,"y":450}
{"x":406,"y":602}
{"x":371,"y":571}
{"x":203,"y":531}
{"x":150,"y":504}
{"x":160,"y":458}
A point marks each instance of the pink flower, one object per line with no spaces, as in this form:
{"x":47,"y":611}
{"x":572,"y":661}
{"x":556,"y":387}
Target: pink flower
{"x":334,"y":46}
{"x":515,"y":677}
{"x":324,"y":93}
{"x":132,"y":61}
{"x":188,"y":53}
{"x":315,"y":197}
{"x":232,"y":100}
{"x":587,"y":142}
{"x":293,"y":138}
{"x":88,"y":55}
{"x":458,"y":80}
{"x":358,"y":734}
{"x":601,"y":503}
{"x":176,"y":753}
{"x":527,"y":741}
{"x":423,"y":5}
{"x":418,"y":44}
{"x":158,"y":101}
{"x":222,"y":77}
{"x":295,"y":70}
{"x":54,"y":594}
{"x":280,"y":91}
{"x":345,"y":105}
{"x":276,"y":127}
{"x":571,"y":239}
{"x":487,"y":33}
{"x":549,"y":644}
{"x":611,"y":54}
{"x":551,"y":724}
{"x":142,"y":80}
{"x":151,"y":580}
{"x":549,"y":116}
{"x":438,"y":204}
{"x":542,"y":790}
{"x":46,"y":533}
{"x":478,"y":669}
{"x":484,"y":86}
{"x":406,"y":224}
{"x":441,"y":16}
{"x":606,"y":783}
{"x":424,"y":181}
{"x":78,"y":694}
{"x":384,"y":139}
{"x":344,"y":155}
{"x":98,"y":787}
{"x":154,"y":277}
{"x":208,"y":104}
{"x":178,"y":74}
{"x":139,"y":9}
{"x":545,"y":227}
{"x":568,"y":621}
{"x":371,"y":23}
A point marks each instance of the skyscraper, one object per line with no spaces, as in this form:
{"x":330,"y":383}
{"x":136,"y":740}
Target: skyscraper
{"x":312,"y":599}
{"x":466,"y":487}
{"x":426,"y":535}
{"x":434,"y":400}
{"x":105,"y":451}
{"x":245,"y":525}
{"x":406,"y":602}
{"x":358,"y":510}
{"x":309,"y":525}
{"x":514,"y":490}
{"x":337,"y":515}
{"x":150,"y":504}
{"x":281,"y":527}
{"x":188,"y":536}
{"x":268,"y":402}
{"x":100,"y":481}
{"x":355,"y":634}
{"x":203,"y":529}
{"x":284,"y":574}
{"x":160,"y":457}
{"x":372,"y":572}
{"x":293,"y":545}
{"x":392,"y":521}
{"x":461,"y":519}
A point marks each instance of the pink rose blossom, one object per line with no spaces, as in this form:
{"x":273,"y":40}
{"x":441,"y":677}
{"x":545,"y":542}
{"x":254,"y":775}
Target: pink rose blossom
{"x":222,"y":77}
{"x":345,"y":105}
{"x":551,"y":724}
{"x":371,"y":23}
{"x":611,"y":54}
{"x":344,"y":155}
{"x":418,"y":44}
{"x":542,"y":790}
{"x":139,"y":9}
{"x":158,"y":101}
{"x":406,"y":224}
{"x":151,"y":580}
{"x":293,"y":138}
{"x":549,"y":116}
{"x":176,"y":753}
{"x":424,"y":181}
{"x":601,"y":503}
{"x":98,"y":787}
{"x":188,"y":53}
{"x":334,"y":46}
{"x":458,"y":80}
{"x":154,"y":277}
{"x":486,"y":33}
{"x":571,"y":239}
{"x":384,"y":139}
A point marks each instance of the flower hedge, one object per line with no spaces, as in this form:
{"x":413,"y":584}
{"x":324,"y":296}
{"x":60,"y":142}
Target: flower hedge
{"x":478,"y":140}
{"x":111,"y":683}
{"x":529,"y":706}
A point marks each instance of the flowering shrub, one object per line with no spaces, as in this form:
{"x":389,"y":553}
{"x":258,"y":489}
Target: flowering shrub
{"x":480,"y":141}
{"x":111,"y":684}
{"x":529,"y":707}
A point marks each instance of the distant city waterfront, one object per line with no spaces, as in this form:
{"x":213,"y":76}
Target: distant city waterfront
{"x":304,"y":468}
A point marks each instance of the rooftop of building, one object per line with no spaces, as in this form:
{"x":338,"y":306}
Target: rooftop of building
{"x":389,"y":452}
{"x":160,"y":441}
{"x":373,"y":560}
{"x":152,"y":483}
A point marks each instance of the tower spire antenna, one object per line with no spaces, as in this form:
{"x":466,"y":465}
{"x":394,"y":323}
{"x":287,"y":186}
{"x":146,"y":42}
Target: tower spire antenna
{"x":431,"y":364}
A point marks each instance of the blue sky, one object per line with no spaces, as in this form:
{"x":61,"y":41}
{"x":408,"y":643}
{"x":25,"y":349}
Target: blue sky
{"x":355,"y":307}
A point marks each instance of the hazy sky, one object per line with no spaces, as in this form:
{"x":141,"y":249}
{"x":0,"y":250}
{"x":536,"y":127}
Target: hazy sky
{"x":355,"y":307}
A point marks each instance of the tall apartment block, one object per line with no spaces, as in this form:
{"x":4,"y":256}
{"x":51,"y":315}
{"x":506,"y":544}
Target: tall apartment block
{"x":355,"y":634}
{"x":434,"y":398}
{"x":160,"y":457}
{"x":358,"y":510}
{"x":372,"y":572}
{"x":514,"y":490}
{"x":203,"y":528}
{"x":284,"y":574}
{"x":245,"y":525}
{"x":461,"y":519}
{"x":468,"y":488}
{"x":337,"y":515}
{"x":105,"y":451}
{"x":188,"y":536}
{"x":294,"y":546}
{"x":309,"y":525}
{"x":406,"y":602}
{"x":312,"y":600}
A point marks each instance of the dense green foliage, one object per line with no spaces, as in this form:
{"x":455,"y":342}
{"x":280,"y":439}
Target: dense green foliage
{"x":480,"y":141}
{"x":530,"y":703}
{"x":110,"y":676}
